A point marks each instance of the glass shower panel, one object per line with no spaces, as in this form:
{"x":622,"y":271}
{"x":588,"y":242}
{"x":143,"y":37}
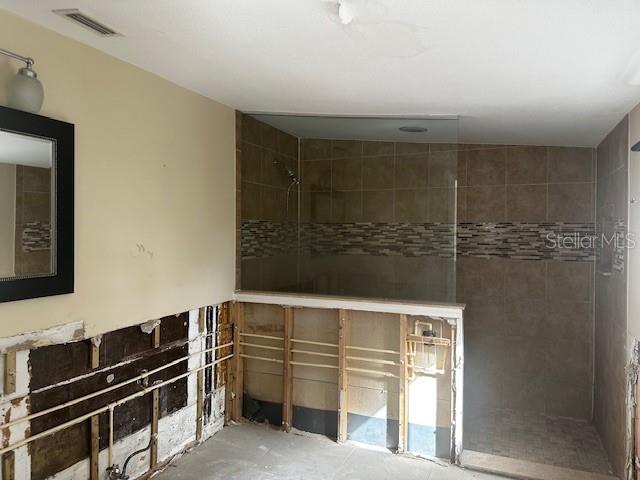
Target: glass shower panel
{"x":375,"y":204}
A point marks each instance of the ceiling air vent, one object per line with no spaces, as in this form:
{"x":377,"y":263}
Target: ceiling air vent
{"x":89,"y":23}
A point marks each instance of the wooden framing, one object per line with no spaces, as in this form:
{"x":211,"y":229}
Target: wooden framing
{"x":287,"y":372}
{"x":238,"y":367}
{"x":343,"y":382}
{"x":9,"y":373}
{"x":8,"y":466}
{"x":155,"y":413}
{"x":381,"y":361}
{"x":403,"y":392}
{"x":9,"y":387}
{"x":94,"y":447}
{"x":200,"y":379}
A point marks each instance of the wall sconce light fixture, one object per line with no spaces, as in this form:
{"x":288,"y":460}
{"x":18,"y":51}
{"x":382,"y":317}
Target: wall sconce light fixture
{"x":24,"y":91}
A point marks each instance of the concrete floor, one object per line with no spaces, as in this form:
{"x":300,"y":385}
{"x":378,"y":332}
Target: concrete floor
{"x":259,"y":452}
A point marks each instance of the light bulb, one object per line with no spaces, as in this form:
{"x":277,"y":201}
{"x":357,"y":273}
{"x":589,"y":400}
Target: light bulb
{"x":345,"y":12}
{"x":25,"y":92}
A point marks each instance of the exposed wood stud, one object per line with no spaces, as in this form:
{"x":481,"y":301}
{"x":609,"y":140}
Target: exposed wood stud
{"x":228,"y":366}
{"x":8,"y":466}
{"x":403,"y":411}
{"x":156,"y":337}
{"x":200,"y":381}
{"x":94,"y":464}
{"x":155,"y":413}
{"x":238,"y":322}
{"x":110,"y":452}
{"x":201,"y":319}
{"x":154,"y":428}
{"x":199,"y":405}
{"x":9,"y":373}
{"x":343,"y":383}
{"x":95,"y":355}
{"x":287,"y":372}
{"x":94,"y":447}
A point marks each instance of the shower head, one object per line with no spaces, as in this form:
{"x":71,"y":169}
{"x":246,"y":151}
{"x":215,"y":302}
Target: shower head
{"x":290,"y":173}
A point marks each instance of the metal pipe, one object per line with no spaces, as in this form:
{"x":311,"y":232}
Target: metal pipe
{"x":28,"y":60}
{"x":111,"y":367}
{"x":254,"y":335}
{"x":374,"y":360}
{"x":108,"y":389}
{"x":309,"y":342}
{"x":376,"y":372}
{"x":266,"y":359}
{"x":319,"y":365}
{"x":266,"y":347}
{"x":377,"y":350}
{"x":111,"y":435}
{"x":110,"y":407}
{"x":320,"y":354}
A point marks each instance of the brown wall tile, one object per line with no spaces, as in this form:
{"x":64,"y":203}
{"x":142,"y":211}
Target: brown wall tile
{"x":316,"y":175}
{"x":273,"y":204}
{"x":377,"y":173}
{"x":287,"y":145}
{"x":346,"y":206}
{"x":444,"y":168}
{"x":346,"y":148}
{"x":526,"y":279}
{"x":316,"y":149}
{"x":411,"y":171}
{"x":486,"y":204}
{"x":346,"y":174}
{"x":36,"y":179}
{"x":377,"y":206}
{"x":251,"y":163}
{"x":372,"y":149}
{"x":526,"y":203}
{"x":411,"y":206}
{"x":526,"y":165}
{"x":486,"y":166}
{"x":570,"y":164}
{"x":441,"y":204}
{"x":570,"y":202}
{"x":251,"y":199}
{"x":570,"y":281}
{"x":411,"y":148}
{"x":36,"y":207}
{"x":316,"y":206}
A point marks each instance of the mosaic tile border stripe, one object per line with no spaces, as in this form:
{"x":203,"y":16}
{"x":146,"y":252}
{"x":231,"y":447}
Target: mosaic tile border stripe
{"x":523,"y":241}
{"x":36,"y":236}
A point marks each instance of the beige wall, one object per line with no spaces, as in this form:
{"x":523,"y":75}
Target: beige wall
{"x":7,"y":218}
{"x":155,"y":179}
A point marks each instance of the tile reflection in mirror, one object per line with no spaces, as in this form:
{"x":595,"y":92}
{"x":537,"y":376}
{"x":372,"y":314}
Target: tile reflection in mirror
{"x":26,"y":206}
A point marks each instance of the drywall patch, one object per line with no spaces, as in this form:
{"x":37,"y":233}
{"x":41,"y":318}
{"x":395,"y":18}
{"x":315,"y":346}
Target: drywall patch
{"x":69,"y":332}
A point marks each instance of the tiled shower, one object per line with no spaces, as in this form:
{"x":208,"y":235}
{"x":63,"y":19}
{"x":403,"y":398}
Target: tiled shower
{"x":500,"y":228}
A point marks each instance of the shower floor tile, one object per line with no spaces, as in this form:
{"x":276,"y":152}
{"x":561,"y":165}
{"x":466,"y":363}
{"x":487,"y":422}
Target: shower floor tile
{"x":561,"y":442}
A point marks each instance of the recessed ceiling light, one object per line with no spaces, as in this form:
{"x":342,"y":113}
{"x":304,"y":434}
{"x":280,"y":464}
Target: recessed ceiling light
{"x":412,"y":129}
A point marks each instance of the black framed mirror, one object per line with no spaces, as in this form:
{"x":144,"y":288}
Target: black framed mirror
{"x":36,"y":206}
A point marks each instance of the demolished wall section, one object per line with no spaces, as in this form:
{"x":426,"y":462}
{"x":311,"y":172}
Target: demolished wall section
{"x":49,"y":376}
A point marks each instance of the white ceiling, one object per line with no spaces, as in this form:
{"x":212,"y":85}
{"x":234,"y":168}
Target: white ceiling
{"x":19,"y":149}
{"x":516,"y":71}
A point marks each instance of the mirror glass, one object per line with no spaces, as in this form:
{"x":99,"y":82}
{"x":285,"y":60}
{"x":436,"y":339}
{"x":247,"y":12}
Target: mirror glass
{"x":27,"y":187}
